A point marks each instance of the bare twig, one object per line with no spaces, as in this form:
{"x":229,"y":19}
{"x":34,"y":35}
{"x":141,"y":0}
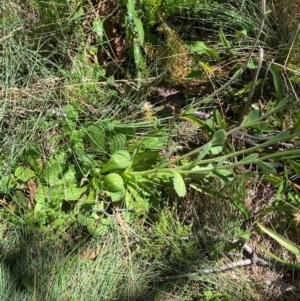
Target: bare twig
{"x":11,"y":34}
{"x":251,"y":91}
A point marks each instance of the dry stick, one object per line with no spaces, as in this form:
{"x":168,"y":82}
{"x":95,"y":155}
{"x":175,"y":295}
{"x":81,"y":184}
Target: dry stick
{"x":238,"y":243}
{"x":254,"y":260}
{"x":251,"y":91}
{"x":242,"y":69}
{"x":286,"y":68}
{"x":11,"y":34}
{"x":291,"y":47}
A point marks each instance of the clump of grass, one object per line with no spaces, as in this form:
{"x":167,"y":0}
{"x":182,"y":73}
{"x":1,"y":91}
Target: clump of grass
{"x":75,"y":266}
{"x":68,"y":270}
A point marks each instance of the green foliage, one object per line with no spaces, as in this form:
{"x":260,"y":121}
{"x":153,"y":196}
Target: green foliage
{"x":201,"y":48}
{"x":136,"y":37}
{"x":75,"y":184}
{"x":154,"y":8}
{"x":76,"y":147}
{"x":213,"y":296}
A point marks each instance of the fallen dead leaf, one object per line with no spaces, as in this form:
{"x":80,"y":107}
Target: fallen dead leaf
{"x":32,"y":190}
{"x":90,"y":253}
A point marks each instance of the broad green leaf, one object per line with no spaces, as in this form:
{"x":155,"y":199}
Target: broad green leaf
{"x":225,"y":43}
{"x":125,"y":129}
{"x":278,"y":258}
{"x":197,"y":46}
{"x":295,"y":166}
{"x":203,"y":167}
{"x":205,"y":150}
{"x":294,"y":198}
{"x":193,"y":119}
{"x":79,"y":12}
{"x":116,"y":196}
{"x":139,"y":28}
{"x":92,"y":197}
{"x":224,"y":175}
{"x":219,"y":120}
{"x":92,"y":50}
{"x":200,"y":48}
{"x":114,"y":185}
{"x":98,"y":28}
{"x":282,"y":136}
{"x":138,"y":58}
{"x":87,"y":162}
{"x":136,"y":200}
{"x":220,"y":161}
{"x":237,"y":74}
{"x":208,"y":191}
{"x":96,"y":136}
{"x":129,"y":217}
{"x":251,"y":65}
{"x":213,"y":53}
{"x":281,"y":240}
{"x":282,"y":104}
{"x":31,"y":155}
{"x":96,"y":225}
{"x":196,"y":168}
{"x":117,"y":142}
{"x":247,"y":87}
{"x":20,"y":198}
{"x":210,"y":125}
{"x":56,"y":195}
{"x":137,"y":21}
{"x":119,"y":160}
{"x":86,"y":218}
{"x":69,"y":175}
{"x":245,"y":235}
{"x":41,"y":193}
{"x":144,"y":165}
{"x":52,"y":172}
{"x":153,"y":157}
{"x":266,"y":167}
{"x":73,"y":193}
{"x":57,"y":173}
{"x":218,"y":138}
{"x":275,"y":180}
{"x":250,"y":158}
{"x":154,"y":143}
{"x":217,"y":142}
{"x":195,"y":74}
{"x":240,"y":205}
{"x":23,"y":173}
{"x":28,"y":284}
{"x":38,"y":207}
{"x":215,"y":150}
{"x":179,"y":184}
{"x":240,"y":33}
{"x":250,"y":119}
{"x":278,"y":84}
{"x":102,"y":227}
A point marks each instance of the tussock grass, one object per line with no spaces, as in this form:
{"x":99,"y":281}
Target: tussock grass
{"x":74,"y":267}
